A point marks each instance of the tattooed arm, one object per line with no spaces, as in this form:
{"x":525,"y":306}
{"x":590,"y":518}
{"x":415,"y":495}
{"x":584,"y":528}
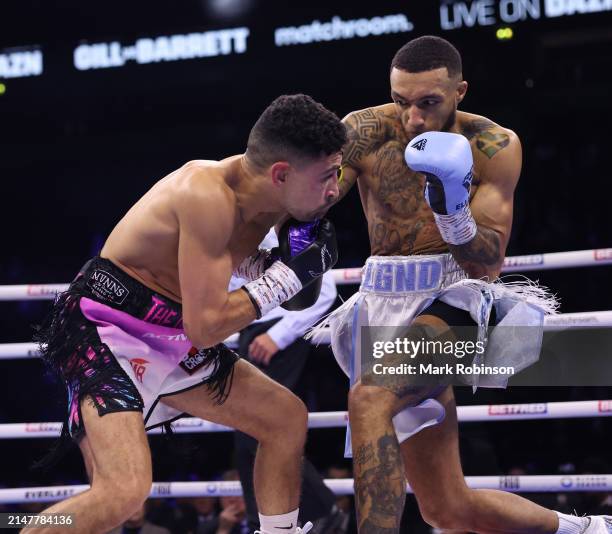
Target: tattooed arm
{"x":492,"y":204}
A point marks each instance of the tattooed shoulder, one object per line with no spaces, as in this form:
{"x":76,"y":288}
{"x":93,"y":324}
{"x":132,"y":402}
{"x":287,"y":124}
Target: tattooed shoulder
{"x":367,"y":130}
{"x":489,"y":137}
{"x":477,"y":126}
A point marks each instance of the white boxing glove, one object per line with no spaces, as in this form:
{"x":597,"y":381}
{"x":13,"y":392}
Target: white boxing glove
{"x":446,"y":160}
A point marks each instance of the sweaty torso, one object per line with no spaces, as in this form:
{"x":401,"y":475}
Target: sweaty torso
{"x":145,"y":242}
{"x":399,"y":220}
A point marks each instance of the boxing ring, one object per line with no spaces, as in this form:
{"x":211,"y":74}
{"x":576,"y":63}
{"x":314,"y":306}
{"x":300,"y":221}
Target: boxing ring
{"x":466,"y":414}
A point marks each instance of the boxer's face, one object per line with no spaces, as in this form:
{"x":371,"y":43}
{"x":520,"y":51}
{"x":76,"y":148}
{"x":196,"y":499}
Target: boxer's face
{"x":309,"y":188}
{"x":426,"y":101}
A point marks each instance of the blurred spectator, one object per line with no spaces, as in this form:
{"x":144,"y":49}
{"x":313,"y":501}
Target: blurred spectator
{"x":138,"y":524}
{"x":206,"y":508}
{"x":232,"y":519}
{"x":181,"y":516}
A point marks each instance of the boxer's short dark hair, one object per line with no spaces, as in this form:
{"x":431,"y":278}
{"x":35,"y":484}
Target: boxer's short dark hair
{"x":295,"y":127}
{"x":428,"y":53}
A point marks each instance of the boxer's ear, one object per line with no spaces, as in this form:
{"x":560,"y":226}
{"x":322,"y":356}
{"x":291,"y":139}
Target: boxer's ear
{"x":279,"y":172}
{"x":461,"y":90}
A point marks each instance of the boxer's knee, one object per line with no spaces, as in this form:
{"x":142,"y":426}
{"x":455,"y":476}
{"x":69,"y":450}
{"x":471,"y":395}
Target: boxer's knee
{"x":287,"y":420}
{"x":122,"y":497}
{"x":445,"y":512}
{"x":367,"y":402}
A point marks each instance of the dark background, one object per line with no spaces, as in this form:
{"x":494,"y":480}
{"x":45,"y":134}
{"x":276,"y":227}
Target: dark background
{"x":77,"y":148}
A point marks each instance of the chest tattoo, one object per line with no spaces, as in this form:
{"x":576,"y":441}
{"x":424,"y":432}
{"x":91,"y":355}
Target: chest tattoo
{"x":398,"y":188}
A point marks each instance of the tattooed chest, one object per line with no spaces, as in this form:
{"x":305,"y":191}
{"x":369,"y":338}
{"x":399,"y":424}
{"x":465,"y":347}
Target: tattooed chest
{"x":397,"y":213}
{"x":391,"y":236}
{"x":397,"y":232}
{"x":397,"y":189}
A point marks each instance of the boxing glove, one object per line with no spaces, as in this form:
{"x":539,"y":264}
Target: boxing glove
{"x":305,"y":252}
{"x":446,"y":160}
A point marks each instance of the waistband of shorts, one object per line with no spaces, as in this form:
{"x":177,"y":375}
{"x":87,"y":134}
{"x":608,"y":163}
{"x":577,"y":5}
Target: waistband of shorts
{"x":101,"y":280}
{"x":404,"y":275}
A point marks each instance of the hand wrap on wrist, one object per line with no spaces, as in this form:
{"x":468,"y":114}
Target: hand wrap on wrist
{"x":254,"y":266}
{"x":277,"y":285}
{"x":458,"y":228}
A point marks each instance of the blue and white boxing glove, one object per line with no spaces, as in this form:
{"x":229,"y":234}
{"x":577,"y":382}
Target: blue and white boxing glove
{"x":446,"y":160}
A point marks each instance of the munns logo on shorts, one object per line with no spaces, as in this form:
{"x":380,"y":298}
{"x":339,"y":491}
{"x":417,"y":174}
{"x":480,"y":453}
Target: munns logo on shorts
{"x":106,"y":287}
{"x":193,"y":361}
{"x":139,"y":367}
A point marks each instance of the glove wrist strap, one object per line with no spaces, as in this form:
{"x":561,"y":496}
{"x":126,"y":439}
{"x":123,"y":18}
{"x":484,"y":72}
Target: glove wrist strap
{"x":458,"y":228}
{"x":278,"y":284}
{"x":253,"y":266}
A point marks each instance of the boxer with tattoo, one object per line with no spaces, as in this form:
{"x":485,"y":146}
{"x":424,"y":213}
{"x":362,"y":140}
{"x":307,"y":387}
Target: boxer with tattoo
{"x":436,"y":185}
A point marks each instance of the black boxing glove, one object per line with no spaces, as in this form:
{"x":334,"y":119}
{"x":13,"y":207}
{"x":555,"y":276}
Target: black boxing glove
{"x":305,"y":252}
{"x":294,"y":237}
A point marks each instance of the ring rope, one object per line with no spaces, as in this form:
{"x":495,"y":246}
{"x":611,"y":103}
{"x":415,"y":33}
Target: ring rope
{"x":512,"y":264}
{"x":340,"y":486}
{"x":465,"y":414}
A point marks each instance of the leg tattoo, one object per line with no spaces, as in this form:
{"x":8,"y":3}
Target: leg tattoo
{"x":380,"y":485}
